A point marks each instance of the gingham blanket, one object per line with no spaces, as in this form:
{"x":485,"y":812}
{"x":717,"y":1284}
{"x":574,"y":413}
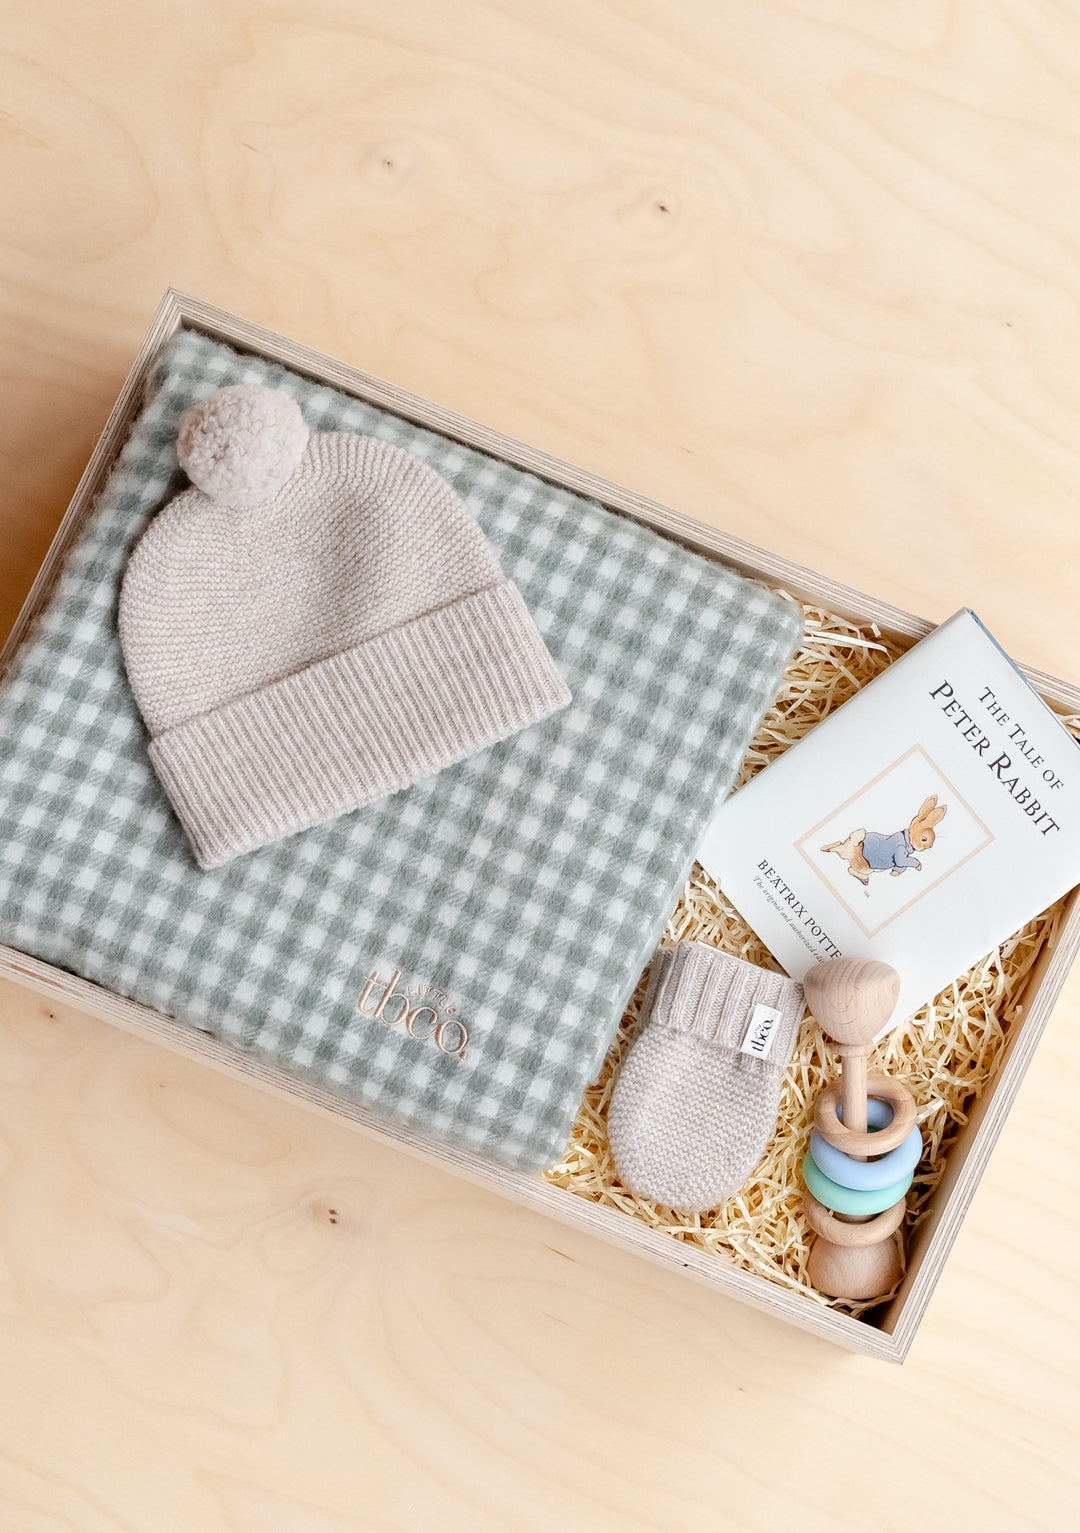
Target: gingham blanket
{"x":458,"y":956}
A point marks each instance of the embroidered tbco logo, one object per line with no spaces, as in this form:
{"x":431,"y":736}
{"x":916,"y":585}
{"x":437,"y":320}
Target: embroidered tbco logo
{"x":424,"y":1012}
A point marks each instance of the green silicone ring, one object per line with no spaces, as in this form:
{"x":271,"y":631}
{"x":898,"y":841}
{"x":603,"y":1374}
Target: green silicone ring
{"x":848,"y":1200}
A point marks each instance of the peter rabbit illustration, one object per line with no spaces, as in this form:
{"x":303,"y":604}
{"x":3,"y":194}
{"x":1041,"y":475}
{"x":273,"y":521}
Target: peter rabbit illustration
{"x":870,"y":851}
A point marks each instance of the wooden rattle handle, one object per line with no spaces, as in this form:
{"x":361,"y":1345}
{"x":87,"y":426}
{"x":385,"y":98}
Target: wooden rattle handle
{"x":853,"y":1087}
{"x":853,"y":999}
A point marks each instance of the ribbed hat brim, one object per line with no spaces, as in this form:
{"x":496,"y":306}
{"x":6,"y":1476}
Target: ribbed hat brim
{"x":366,"y":723}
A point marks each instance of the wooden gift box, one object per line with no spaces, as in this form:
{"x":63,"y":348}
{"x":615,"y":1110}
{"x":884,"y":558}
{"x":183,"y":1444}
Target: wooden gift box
{"x":886,"y":1332}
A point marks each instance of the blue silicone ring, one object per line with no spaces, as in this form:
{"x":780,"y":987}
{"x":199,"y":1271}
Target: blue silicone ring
{"x":845,"y":1200}
{"x":868,"y":1175}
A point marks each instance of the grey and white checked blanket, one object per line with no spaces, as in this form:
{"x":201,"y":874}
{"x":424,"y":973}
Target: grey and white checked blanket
{"x":513,"y":899}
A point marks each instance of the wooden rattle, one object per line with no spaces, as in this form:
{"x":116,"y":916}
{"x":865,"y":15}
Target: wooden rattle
{"x":865,"y":1145}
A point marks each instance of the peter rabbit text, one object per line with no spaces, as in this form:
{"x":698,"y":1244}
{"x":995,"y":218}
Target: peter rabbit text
{"x":1001,"y":764}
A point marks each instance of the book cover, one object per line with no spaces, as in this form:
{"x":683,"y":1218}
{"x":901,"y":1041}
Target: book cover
{"x":922,"y":823}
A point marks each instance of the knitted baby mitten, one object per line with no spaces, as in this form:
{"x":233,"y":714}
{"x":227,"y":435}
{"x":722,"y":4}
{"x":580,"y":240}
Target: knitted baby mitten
{"x":697,"y":1095}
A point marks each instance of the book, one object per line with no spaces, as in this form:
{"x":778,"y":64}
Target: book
{"x":921,"y":823}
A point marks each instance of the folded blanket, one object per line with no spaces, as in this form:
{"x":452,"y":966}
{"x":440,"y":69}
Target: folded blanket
{"x":459,"y":955}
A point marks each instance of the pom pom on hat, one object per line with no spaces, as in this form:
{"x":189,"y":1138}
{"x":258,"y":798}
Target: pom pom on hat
{"x":241,"y":443}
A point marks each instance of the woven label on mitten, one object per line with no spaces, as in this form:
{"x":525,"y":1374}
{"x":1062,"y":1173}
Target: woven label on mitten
{"x":761,"y":1032}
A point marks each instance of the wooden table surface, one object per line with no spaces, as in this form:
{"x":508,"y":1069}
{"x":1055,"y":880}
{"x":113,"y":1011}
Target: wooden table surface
{"x":807,"y":271}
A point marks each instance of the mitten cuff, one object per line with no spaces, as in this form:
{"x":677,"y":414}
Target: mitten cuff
{"x":697,"y":989}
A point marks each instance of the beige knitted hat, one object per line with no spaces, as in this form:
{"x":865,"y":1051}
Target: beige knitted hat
{"x":316,"y":624}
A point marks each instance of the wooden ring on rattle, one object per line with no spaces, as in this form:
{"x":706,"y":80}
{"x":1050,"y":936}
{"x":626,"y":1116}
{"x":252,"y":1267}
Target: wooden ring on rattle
{"x":852,"y":1236}
{"x":886,"y":1089}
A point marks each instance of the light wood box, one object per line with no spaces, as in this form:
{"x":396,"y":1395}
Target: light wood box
{"x":887,"y":1333}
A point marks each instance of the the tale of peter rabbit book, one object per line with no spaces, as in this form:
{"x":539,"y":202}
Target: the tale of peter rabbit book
{"x":921,"y":823}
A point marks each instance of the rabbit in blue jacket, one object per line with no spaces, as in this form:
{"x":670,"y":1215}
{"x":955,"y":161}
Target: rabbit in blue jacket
{"x":872,"y":851}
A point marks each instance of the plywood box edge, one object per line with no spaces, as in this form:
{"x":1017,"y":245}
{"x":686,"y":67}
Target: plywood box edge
{"x":889,"y":1339}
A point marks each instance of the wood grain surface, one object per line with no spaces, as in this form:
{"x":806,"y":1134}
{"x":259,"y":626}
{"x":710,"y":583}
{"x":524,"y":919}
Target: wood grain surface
{"x":807,"y":271}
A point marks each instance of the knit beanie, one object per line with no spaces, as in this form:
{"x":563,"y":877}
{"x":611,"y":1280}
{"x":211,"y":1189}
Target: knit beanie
{"x":314,"y":625}
{"x":697,"y":1096}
